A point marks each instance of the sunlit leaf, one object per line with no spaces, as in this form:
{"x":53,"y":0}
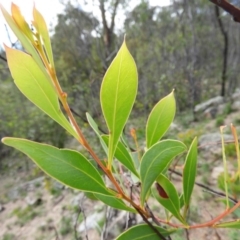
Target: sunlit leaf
{"x":189,"y":172}
{"x":123,"y":156}
{"x":160,"y":119}
{"x":232,"y":224}
{"x":156,"y":160}
{"x":24,"y":40}
{"x":114,"y":202}
{"x":67,"y":166}
{"x":166,"y":194}
{"x":117,"y":96}
{"x":33,"y":84}
{"x":144,"y":232}
{"x":41,"y":27}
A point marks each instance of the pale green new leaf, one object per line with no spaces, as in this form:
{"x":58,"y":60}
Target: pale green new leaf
{"x":114,"y":202}
{"x":233,"y":224}
{"x":41,"y":27}
{"x":167,"y":196}
{"x":35,"y":86}
{"x":160,"y":119}
{"x":123,"y":156}
{"x":156,"y":160}
{"x":189,"y":172}
{"x":144,"y":232}
{"x":117,"y":95}
{"x":67,"y":166}
{"x":24,"y":41}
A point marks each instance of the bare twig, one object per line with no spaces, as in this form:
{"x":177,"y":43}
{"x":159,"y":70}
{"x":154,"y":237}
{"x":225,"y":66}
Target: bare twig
{"x":228,"y":7}
{"x":206,"y":187}
{"x":151,"y":226}
{"x":3,"y":58}
{"x":187,"y":234}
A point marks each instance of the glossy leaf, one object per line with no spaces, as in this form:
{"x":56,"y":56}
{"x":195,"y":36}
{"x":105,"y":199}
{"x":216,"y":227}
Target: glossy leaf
{"x":233,"y":224}
{"x":67,"y":166}
{"x":33,"y":84}
{"x":189,"y":172}
{"x":144,"y":232}
{"x":156,"y":160}
{"x":123,"y":156}
{"x":94,"y":126}
{"x":41,"y":27}
{"x":114,"y":202}
{"x":117,"y":95}
{"x":24,"y":41}
{"x":166,"y":194}
{"x":160,"y":119}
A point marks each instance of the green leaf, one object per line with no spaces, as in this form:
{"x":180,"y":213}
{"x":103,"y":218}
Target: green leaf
{"x":144,"y":232}
{"x":24,"y":41}
{"x":160,"y":119}
{"x":117,"y":95}
{"x":232,"y":224}
{"x":94,"y":126}
{"x":35,"y":86}
{"x":155,"y":160}
{"x":114,"y":202}
{"x":67,"y":166}
{"x":189,"y":172}
{"x":123,"y":156}
{"x":166,"y":194}
{"x":41,"y":27}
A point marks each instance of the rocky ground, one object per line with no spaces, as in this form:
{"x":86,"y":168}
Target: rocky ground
{"x":33,"y":207}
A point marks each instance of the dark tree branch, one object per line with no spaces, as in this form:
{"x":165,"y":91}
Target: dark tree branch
{"x":206,"y":187}
{"x":228,"y":7}
{"x":225,"y":50}
{"x":3,"y":58}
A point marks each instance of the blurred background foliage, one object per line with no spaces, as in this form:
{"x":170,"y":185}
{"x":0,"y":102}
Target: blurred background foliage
{"x":179,"y":46}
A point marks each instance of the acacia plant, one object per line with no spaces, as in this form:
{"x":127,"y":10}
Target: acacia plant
{"x":34,"y":74}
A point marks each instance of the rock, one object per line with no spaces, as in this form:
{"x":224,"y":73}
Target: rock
{"x":235,"y":106}
{"x":216,"y":172}
{"x":212,"y":104}
{"x":76,"y":200}
{"x":33,"y":201}
{"x":92,"y":222}
{"x":15,"y":192}
{"x":212,"y":142}
{"x":236,"y":96}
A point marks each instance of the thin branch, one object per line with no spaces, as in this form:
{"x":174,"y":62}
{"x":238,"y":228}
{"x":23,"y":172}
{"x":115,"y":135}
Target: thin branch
{"x":151,"y":226}
{"x":225,"y":50}
{"x":3,"y":58}
{"x":228,"y":7}
{"x":206,"y":187}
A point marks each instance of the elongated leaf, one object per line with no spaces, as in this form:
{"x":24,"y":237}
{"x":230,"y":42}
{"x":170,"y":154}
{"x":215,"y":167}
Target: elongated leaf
{"x":41,"y":27}
{"x":94,"y":126}
{"x":189,"y":172}
{"x":160,"y":119}
{"x":117,"y":96}
{"x":114,"y":202}
{"x":156,"y":160}
{"x":232,"y":224}
{"x":166,"y":194}
{"x":144,"y":232}
{"x":123,"y":156}
{"x":24,"y":41}
{"x":33,"y":84}
{"x":67,"y":166}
